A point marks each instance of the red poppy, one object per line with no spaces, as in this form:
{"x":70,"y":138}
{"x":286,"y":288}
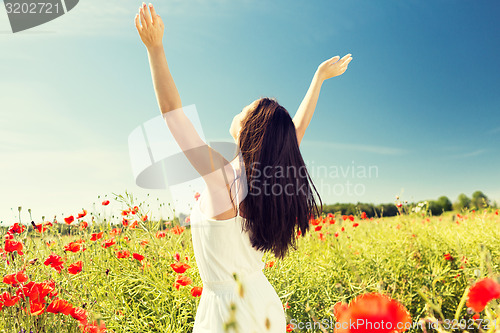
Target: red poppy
{"x":105,"y":202}
{"x":160,"y":234}
{"x":177,"y":256}
{"x":108,"y":242}
{"x":12,"y":245}
{"x":314,"y":221}
{"x":196,"y":291}
{"x":318,"y":228}
{"x":351,"y":217}
{"x":177,"y":230}
{"x":83,"y":214}
{"x":321,"y":237}
{"x":144,"y":218}
{"x":95,"y":327}
{"x":448,"y":257}
{"x":17,"y":228}
{"x":79,"y":314}
{"x":144,"y":242}
{"x":289,"y":328}
{"x":7,"y":299}
{"x":369,"y":311}
{"x":197,"y":196}
{"x":75,"y":268}
{"x":37,"y":308}
{"x":69,"y":219}
{"x":182,"y":280}
{"x":355,"y":224}
{"x":60,"y":306}
{"x":40,"y":227}
{"x":339,"y":308}
{"x":123,"y":254}
{"x":270,"y":264}
{"x":55,"y":261}
{"x":180,"y":267}
{"x":48,"y":288}
{"x":482,"y":292}
{"x":73,"y":247}
{"x":138,"y":256}
{"x":115,"y":231}
{"x":30,"y":290}
{"x":96,"y":236}
{"x":363,"y":215}
{"x":125,"y":222}
{"x":134,"y":225}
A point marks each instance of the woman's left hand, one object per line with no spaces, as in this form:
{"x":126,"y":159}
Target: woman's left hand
{"x":152,"y":28}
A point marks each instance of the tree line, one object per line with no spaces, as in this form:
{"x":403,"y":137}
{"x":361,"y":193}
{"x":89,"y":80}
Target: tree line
{"x":435,"y":207}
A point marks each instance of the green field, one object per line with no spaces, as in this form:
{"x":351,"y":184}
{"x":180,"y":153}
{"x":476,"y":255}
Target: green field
{"x":424,"y":262}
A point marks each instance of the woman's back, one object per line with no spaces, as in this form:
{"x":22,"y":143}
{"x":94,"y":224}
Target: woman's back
{"x":222,"y":249}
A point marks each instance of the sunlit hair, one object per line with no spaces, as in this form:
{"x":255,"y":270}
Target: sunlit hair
{"x":280,"y":199}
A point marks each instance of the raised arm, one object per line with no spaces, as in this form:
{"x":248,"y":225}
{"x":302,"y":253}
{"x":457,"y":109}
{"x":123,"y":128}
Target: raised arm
{"x":328,"y":69}
{"x":201,"y":156}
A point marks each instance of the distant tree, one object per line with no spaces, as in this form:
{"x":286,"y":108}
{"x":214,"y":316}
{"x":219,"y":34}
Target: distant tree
{"x":387,"y":210}
{"x":479,"y":200}
{"x":463,"y":202}
{"x":445,"y":203}
{"x":435,"y":208}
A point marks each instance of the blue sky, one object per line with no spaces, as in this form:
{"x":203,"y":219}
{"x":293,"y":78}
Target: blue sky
{"x":419,"y":102}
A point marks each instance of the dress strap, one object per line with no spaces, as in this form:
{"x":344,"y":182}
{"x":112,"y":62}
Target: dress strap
{"x":237,"y":201}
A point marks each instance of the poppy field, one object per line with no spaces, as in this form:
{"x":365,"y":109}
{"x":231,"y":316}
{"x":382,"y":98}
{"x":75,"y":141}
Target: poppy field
{"x":117,"y":268}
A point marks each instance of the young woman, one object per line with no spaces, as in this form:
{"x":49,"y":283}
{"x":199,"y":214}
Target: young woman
{"x":253,"y":204}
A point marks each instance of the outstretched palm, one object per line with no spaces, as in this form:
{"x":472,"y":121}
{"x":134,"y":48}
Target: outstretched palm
{"x":334,"y":67}
{"x":151,"y":26}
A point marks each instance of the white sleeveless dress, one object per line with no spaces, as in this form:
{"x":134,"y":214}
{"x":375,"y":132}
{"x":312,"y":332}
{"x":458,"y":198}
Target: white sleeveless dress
{"x":221,"y":249}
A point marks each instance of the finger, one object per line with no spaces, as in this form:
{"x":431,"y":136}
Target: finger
{"x":143,"y":19}
{"x":334,"y":59}
{"x":345,"y":62}
{"x":146,"y":14}
{"x":344,"y":58}
{"x":137,"y":24}
{"x":154,"y":17}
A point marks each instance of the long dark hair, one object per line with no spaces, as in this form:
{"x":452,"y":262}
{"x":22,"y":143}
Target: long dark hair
{"x":280,"y":199}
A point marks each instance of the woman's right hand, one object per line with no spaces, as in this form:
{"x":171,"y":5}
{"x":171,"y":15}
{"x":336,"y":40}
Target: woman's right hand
{"x":333,"y":67}
{"x":152,"y":28}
